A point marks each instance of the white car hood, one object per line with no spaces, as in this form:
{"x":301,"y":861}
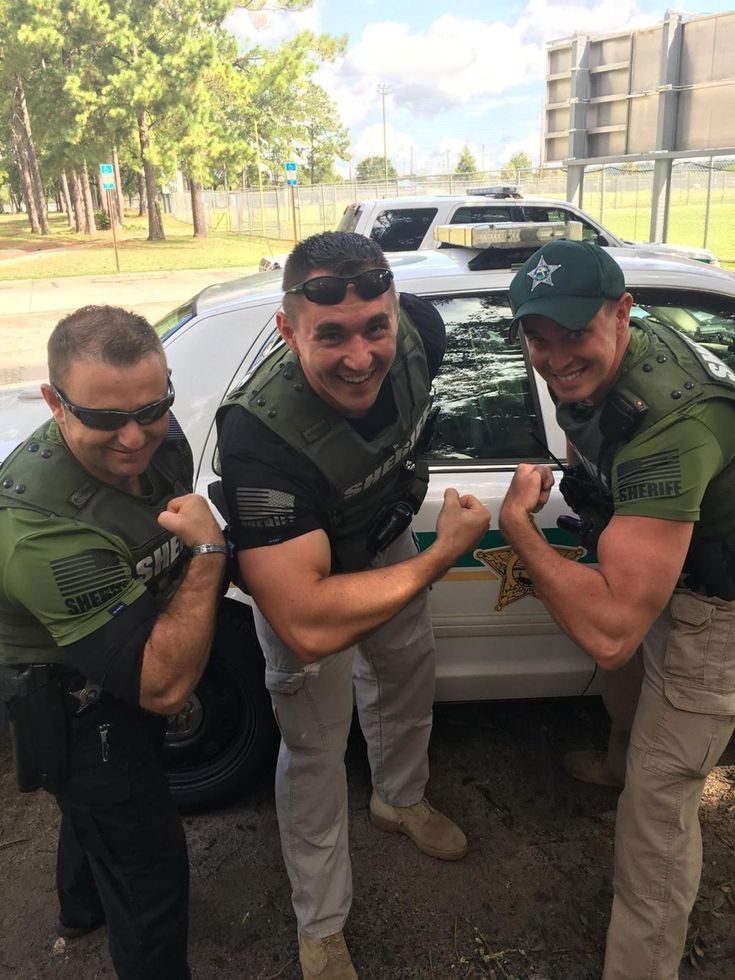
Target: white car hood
{"x":22,"y":410}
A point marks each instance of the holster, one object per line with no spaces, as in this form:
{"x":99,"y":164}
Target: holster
{"x":34,"y":696}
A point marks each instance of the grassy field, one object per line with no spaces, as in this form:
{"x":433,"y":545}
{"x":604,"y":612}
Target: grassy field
{"x":94,"y":255}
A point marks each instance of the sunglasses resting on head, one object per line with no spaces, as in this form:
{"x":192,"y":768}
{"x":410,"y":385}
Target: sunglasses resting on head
{"x":329,"y":290}
{"x":109,"y":419}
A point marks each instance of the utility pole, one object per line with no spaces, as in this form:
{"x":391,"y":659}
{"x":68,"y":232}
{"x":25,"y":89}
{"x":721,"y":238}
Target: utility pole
{"x":384,"y":90}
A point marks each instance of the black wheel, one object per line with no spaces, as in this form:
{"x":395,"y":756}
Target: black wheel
{"x":225,"y":732}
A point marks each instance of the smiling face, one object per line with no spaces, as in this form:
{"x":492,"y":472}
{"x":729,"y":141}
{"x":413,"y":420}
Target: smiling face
{"x":580,"y":365}
{"x":345,"y":350}
{"x":121,"y":456}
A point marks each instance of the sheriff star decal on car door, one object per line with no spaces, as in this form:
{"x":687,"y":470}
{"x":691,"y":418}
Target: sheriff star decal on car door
{"x":514,"y":580}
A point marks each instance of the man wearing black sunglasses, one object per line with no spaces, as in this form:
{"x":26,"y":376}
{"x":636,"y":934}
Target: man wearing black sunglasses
{"x":321,"y":481}
{"x":110,"y":571}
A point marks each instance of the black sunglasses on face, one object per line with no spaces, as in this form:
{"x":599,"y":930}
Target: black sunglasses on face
{"x":109,"y":419}
{"x":329,"y":290}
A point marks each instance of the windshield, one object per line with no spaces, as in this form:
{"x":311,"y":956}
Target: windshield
{"x":168,"y":326}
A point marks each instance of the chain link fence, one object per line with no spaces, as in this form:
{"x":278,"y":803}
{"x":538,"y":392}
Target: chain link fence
{"x":701,"y":206}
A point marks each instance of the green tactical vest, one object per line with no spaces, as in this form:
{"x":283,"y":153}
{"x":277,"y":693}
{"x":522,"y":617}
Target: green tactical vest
{"x":670,"y":373}
{"x":43,"y":476}
{"x":365,"y":476}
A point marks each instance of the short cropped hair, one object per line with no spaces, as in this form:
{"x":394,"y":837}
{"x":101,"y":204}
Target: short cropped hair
{"x":103,"y":333}
{"x":343,"y":253}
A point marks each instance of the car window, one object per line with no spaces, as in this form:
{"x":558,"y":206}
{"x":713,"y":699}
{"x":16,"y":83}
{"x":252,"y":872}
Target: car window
{"x":402,"y":229}
{"x":477,"y":213}
{"x":486,"y":399}
{"x":708,"y":320}
{"x":350,"y":217}
{"x":545,"y":213}
{"x":168,"y":325}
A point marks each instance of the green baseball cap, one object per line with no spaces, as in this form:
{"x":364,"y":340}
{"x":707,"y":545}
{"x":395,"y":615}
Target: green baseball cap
{"x":567,"y":282}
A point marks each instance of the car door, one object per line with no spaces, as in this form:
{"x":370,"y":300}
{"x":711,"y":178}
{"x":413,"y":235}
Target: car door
{"x":495,"y":638}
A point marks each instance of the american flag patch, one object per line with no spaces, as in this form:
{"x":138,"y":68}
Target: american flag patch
{"x":658,"y":475}
{"x":259,"y":507}
{"x":90,"y":579}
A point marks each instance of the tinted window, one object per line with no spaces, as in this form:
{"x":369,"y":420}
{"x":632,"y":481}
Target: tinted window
{"x":349,"y":219}
{"x":402,"y":229}
{"x":478,"y":213}
{"x":483,"y":391}
{"x":589,"y":232}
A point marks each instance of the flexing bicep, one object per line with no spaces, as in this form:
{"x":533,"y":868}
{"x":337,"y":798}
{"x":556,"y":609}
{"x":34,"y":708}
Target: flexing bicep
{"x":284,"y":579}
{"x":641,"y":559}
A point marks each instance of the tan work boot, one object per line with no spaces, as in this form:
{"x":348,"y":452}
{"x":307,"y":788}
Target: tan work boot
{"x":432,"y":832}
{"x":589,"y":766}
{"x":326,"y":959}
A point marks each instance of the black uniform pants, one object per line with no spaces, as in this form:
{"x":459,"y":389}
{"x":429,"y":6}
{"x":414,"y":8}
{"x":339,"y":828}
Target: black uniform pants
{"x":122,"y":851}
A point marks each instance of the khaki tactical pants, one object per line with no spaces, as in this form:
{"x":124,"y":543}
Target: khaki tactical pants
{"x":684,"y":720}
{"x":393,"y":675}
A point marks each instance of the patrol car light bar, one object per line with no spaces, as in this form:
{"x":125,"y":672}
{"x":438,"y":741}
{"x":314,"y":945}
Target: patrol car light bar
{"x":497,"y":190}
{"x":507,"y":234}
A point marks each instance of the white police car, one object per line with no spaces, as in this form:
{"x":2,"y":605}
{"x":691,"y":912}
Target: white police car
{"x":494,"y":637}
{"x":410,"y":223}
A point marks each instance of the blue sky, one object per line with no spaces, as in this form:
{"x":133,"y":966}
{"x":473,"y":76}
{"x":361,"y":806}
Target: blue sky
{"x":459,"y":73}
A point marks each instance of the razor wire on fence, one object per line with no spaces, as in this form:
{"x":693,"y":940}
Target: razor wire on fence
{"x":701,"y":201}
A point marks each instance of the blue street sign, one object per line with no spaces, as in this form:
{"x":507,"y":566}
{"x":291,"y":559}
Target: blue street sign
{"x":107,"y":175}
{"x":290,"y":166}
{"x":291,"y":181}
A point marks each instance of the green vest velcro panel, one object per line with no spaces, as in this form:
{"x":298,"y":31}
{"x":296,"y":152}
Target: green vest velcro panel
{"x":365,"y":475}
{"x":41,"y":475}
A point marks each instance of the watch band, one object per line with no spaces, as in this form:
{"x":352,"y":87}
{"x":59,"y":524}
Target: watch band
{"x":208,"y":549}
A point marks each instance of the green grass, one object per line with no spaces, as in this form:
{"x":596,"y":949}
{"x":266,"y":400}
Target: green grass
{"x":686,"y":224}
{"x":223,"y":249}
{"x":94,"y":255}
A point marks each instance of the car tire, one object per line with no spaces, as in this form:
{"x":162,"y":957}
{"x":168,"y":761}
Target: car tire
{"x":226,"y":732}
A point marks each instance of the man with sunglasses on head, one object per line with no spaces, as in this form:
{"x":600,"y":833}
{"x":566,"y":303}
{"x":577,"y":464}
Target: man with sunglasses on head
{"x":110,"y":572}
{"x":317,"y":453}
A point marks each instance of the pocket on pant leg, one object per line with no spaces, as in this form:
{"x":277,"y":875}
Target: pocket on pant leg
{"x":699,"y":664}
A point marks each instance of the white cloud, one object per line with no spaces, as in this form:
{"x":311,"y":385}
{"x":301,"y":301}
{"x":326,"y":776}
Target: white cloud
{"x":269,"y":28}
{"x":553,"y":21}
{"x":453,"y":62}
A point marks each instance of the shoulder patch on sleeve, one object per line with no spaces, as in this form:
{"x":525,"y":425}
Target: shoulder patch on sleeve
{"x":260,"y":507}
{"x":89,"y":579}
{"x":658,"y":475}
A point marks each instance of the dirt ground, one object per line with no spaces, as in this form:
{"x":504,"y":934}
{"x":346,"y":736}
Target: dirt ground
{"x":530,"y":901}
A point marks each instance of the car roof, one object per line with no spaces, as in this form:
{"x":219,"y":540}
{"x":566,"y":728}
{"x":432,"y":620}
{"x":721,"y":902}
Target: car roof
{"x":447,"y":265}
{"x":438,"y":199}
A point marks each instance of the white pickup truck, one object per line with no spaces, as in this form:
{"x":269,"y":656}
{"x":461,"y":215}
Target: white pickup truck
{"x":494,"y":637}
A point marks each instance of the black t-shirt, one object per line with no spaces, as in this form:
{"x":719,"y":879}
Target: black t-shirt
{"x":262,"y":472}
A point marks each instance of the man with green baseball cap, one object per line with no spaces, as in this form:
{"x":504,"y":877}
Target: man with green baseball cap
{"x":650,"y":422}
{"x":567,"y":282}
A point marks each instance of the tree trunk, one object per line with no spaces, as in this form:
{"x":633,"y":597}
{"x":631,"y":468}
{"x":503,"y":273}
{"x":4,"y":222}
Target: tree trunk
{"x":89,"y":226}
{"x":78,"y":201}
{"x":142,"y":201}
{"x":26,"y":184}
{"x":197,"y":209}
{"x":66,"y":197}
{"x":102,"y":194}
{"x":36,"y":182}
{"x":118,"y":195}
{"x":155,"y":223}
